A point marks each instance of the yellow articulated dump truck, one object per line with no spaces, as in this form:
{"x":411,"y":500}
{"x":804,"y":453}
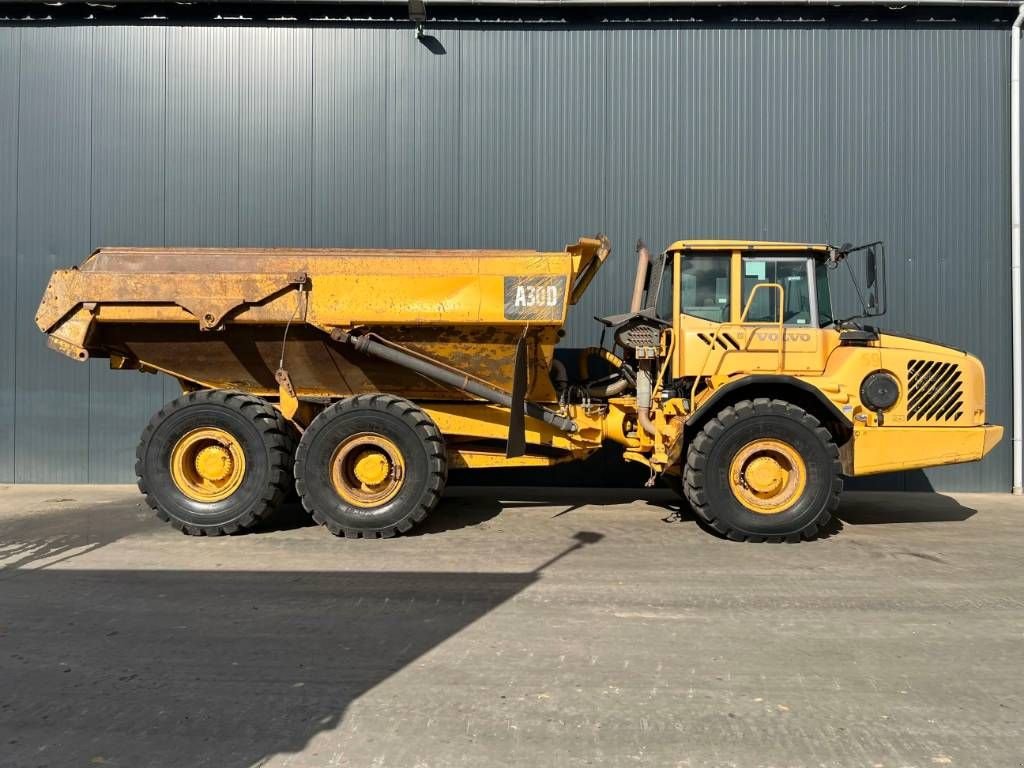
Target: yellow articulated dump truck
{"x":359,"y":377}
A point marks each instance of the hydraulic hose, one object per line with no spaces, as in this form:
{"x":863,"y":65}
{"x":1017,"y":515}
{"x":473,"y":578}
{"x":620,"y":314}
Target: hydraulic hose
{"x":376,"y":346}
{"x":610,"y":388}
{"x":559,"y":376}
{"x":605,"y":388}
{"x":583,"y":363}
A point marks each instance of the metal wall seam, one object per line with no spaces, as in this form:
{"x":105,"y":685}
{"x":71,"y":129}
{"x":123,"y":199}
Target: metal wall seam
{"x":348,"y":152}
{"x":10,"y":65}
{"x":128,"y":122}
{"x":52,"y":395}
{"x":275,"y":122}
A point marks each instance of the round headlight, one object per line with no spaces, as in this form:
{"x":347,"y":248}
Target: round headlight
{"x":879,"y":390}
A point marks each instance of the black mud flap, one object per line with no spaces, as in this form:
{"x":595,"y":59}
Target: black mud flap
{"x":517,"y":418}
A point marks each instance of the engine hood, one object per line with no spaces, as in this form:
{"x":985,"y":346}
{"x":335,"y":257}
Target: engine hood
{"x":890,"y":340}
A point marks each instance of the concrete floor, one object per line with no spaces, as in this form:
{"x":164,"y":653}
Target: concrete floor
{"x":531,"y":629}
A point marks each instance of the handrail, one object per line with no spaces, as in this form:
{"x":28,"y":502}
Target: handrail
{"x":719,"y":329}
{"x":659,"y":384}
{"x":782,"y":304}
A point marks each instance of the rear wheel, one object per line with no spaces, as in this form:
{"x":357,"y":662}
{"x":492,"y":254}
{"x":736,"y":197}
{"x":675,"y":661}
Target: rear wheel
{"x":763,"y":470}
{"x":371,"y":466}
{"x":215,"y":462}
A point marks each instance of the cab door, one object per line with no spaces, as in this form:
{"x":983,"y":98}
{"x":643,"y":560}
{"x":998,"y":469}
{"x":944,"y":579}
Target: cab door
{"x":702,"y":312}
{"x":779,"y":331}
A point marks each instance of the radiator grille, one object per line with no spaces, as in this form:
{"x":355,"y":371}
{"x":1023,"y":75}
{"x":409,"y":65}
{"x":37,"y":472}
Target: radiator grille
{"x":934,"y":391}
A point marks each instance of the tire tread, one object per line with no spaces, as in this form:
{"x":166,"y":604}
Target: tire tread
{"x":700,"y":447}
{"x":429,"y":435}
{"x":278,"y":438}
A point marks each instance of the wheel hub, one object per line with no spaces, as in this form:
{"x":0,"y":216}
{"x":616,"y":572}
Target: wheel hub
{"x":207,"y":464}
{"x":767,"y":476}
{"x":367,"y":470}
{"x":371,"y":467}
{"x":214,"y":462}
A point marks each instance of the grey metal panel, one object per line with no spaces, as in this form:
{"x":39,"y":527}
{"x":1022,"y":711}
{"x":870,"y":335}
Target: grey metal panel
{"x":951,"y":243}
{"x":52,"y":397}
{"x":498,"y":126}
{"x":570,"y":86}
{"x":348,"y":153}
{"x":202,"y":145}
{"x":719,"y":93}
{"x":796,"y":81}
{"x":275,"y":123}
{"x":422,"y":130}
{"x":9,"y":74}
{"x":128,"y":111}
{"x":509,"y":138}
{"x":919,"y":164}
{"x":861,"y":178}
{"x":652,"y":149}
{"x":859,"y":166}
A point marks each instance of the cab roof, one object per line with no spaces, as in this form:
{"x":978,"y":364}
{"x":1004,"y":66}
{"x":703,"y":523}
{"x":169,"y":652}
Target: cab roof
{"x":746,"y":245}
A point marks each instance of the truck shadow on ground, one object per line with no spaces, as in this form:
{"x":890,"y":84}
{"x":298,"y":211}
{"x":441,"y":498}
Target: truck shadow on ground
{"x":467,"y":506}
{"x":473,"y":506}
{"x":214,"y":668}
{"x":470,"y":507}
{"x":452,"y":514}
{"x":885,"y":508}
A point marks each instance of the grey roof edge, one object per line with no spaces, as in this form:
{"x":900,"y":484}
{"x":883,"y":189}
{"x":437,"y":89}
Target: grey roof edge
{"x":893,"y":4}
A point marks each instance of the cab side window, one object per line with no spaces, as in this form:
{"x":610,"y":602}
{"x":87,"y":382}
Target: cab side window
{"x":666,"y":290}
{"x":791,"y":274}
{"x":705,"y":289}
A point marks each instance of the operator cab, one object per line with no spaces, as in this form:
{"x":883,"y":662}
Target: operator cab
{"x":724,"y":307}
{"x":708,"y":292}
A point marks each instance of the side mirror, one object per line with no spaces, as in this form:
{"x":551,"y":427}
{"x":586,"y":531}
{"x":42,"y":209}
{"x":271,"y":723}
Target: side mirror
{"x":871,"y":278}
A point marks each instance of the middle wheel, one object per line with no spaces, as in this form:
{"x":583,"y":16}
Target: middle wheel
{"x":371,"y":466}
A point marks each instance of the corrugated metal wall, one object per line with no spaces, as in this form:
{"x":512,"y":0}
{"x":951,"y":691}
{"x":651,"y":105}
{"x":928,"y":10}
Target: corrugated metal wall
{"x":513,"y":137}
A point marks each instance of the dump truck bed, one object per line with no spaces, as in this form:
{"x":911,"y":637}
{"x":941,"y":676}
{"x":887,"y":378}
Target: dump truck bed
{"x":228,"y":318}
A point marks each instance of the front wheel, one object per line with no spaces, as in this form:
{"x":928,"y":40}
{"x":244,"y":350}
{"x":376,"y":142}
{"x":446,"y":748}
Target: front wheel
{"x":763,"y":470}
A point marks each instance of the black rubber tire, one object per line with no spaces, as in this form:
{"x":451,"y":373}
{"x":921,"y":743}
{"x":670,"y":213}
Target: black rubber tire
{"x":409,"y":428}
{"x":711,"y":452}
{"x":266,"y":437}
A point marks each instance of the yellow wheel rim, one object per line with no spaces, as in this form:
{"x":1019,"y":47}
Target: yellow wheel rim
{"x":207,"y":464}
{"x":367,"y":470}
{"x":767,"y":476}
